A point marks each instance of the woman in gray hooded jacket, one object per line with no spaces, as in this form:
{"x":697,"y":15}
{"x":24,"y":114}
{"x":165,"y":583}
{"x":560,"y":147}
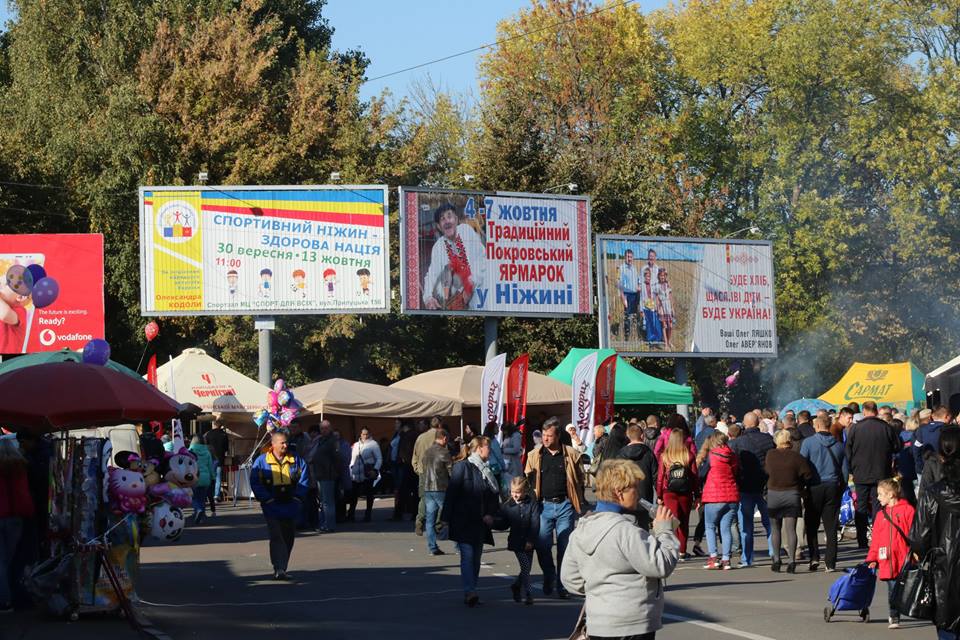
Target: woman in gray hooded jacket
{"x":618,"y":566}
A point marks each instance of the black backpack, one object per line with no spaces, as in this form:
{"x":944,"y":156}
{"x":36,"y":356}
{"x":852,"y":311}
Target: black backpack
{"x":678,"y":478}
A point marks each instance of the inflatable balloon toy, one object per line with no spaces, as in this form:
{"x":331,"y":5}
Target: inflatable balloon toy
{"x":732,"y":379}
{"x":45,"y":292}
{"x":96,"y":352}
{"x":127,"y":491}
{"x":166,"y":522}
{"x":279,"y":385}
{"x":179,"y":473}
{"x":151,"y":330}
{"x":151,"y":475}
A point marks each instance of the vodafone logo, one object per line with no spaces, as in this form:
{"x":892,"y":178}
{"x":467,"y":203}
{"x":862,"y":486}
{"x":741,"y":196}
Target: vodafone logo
{"x":47,"y":337}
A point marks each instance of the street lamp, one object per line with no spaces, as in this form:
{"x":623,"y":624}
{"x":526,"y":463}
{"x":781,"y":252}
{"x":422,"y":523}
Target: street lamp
{"x":753,"y":231}
{"x":664,"y":226}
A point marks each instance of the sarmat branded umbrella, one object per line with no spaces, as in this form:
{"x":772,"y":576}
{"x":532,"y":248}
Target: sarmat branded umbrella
{"x":68,"y":395}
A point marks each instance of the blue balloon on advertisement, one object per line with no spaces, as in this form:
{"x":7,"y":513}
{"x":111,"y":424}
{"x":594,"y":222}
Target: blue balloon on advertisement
{"x":45,"y":292}
{"x":37,"y":273}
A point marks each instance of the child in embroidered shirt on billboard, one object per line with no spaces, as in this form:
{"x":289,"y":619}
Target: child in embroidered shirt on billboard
{"x":665,"y":306}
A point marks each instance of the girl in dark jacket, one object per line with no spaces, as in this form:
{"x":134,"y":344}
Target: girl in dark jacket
{"x":471,"y":501}
{"x":521,"y":514}
{"x":937,"y":524}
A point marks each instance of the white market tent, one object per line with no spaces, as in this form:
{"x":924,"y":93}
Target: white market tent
{"x":197,"y":378}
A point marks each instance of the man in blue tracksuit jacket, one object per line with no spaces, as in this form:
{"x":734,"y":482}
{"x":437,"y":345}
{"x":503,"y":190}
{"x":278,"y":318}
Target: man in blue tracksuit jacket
{"x":830,"y":471}
{"x":279,"y":481}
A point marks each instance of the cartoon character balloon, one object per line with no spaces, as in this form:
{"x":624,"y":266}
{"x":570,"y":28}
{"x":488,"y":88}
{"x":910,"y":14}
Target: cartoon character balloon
{"x":166,"y":522}
{"x":127,"y":490}
{"x":179,"y":473}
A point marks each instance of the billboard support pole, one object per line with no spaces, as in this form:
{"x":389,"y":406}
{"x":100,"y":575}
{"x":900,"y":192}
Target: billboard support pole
{"x":264,"y":325}
{"x":489,"y":338}
{"x":680,"y":371}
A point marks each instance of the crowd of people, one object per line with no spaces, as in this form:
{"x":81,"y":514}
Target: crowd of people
{"x":795,"y":470}
{"x":648,"y":480}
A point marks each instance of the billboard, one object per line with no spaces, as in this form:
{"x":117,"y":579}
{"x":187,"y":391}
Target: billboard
{"x":75,"y":315}
{"x":482,"y":253}
{"x":686,"y":296}
{"x":264,"y":250}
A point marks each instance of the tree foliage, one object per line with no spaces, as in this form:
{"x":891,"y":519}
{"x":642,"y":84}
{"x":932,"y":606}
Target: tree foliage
{"x":830,"y":124}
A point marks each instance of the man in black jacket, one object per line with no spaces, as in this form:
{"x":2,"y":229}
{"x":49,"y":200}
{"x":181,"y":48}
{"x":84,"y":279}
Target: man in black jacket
{"x":805,"y":425}
{"x":324,"y":460}
{"x":751,"y":448}
{"x":641,"y":455}
{"x":871,"y":445}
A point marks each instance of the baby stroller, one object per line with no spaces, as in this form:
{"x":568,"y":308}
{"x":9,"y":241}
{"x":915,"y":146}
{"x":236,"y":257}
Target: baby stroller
{"x":853,"y":591}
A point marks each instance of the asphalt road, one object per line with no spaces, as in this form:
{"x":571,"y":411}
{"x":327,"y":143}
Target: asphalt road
{"x":376,"y":580}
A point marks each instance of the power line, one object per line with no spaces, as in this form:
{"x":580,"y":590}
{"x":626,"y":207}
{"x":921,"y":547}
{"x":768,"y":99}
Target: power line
{"x":504,"y":41}
{"x":54,"y":187}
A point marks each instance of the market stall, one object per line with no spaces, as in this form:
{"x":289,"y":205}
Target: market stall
{"x":632,"y":386}
{"x":898,"y":384}
{"x":353,"y":405}
{"x":220,"y":393}
{"x":545,"y":396}
{"x":102,"y":503}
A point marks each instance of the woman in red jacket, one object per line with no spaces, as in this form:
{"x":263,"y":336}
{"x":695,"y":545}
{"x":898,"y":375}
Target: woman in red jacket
{"x":888,"y":547}
{"x":677,"y":484}
{"x":721,"y":497}
{"x":15,"y":507}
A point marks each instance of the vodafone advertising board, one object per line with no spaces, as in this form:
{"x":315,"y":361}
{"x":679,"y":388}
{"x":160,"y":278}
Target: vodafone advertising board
{"x":74,"y":261}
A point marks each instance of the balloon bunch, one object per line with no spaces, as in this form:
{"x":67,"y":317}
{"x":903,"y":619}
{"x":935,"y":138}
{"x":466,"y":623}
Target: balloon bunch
{"x":282,"y":408}
{"x":32,"y":280}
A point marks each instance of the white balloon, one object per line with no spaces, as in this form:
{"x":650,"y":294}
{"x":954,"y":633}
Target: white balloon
{"x":166,"y":522}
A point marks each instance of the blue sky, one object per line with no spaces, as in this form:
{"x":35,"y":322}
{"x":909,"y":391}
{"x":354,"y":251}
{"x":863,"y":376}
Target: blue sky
{"x":396,"y":35}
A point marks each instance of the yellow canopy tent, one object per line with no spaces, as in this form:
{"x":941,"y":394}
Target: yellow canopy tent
{"x":899,"y":384}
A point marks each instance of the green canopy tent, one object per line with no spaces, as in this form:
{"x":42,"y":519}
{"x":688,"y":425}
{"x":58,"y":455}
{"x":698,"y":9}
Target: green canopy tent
{"x":632,"y":386}
{"x":63,"y":355}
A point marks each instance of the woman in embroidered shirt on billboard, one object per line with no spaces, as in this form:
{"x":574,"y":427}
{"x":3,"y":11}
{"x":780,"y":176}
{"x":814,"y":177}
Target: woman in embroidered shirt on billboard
{"x":457,"y":264}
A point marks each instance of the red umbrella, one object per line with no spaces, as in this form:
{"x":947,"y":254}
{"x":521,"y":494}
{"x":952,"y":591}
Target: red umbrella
{"x":71,"y":395}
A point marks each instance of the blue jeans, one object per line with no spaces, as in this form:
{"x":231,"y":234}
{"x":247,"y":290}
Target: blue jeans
{"x":199,"y":500}
{"x":432,"y":503}
{"x":217,"y":479}
{"x":749,"y":504}
{"x":724,"y":513}
{"x":946,"y":635}
{"x":559,"y":517}
{"x":328,"y":501}
{"x":469,"y":565}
